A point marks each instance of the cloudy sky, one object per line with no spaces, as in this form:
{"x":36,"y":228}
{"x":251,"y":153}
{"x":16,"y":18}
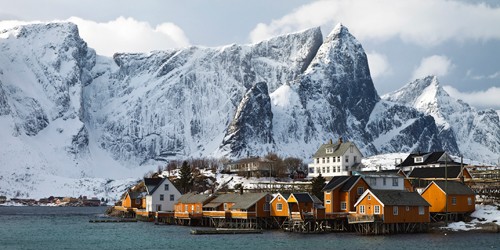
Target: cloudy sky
{"x":459,"y":41}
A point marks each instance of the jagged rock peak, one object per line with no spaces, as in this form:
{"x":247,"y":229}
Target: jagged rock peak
{"x":252,"y":125}
{"x":427,"y":88}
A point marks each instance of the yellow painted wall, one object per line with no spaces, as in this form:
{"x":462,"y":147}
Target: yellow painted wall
{"x":436,"y":197}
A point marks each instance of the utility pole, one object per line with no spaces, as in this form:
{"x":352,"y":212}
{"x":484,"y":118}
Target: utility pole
{"x":446,"y":186}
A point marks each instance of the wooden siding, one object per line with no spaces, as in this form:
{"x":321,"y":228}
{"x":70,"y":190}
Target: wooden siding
{"x":436,"y":197}
{"x":408,"y":186}
{"x":354,"y":196}
{"x":285,"y":212}
{"x":386,"y":212}
{"x":194,"y":210}
{"x":130,"y":203}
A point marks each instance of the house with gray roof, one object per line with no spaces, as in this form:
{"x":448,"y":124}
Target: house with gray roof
{"x":161,"y":194}
{"x":335,"y":159}
{"x":449,"y":197}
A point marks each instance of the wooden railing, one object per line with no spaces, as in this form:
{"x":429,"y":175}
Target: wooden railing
{"x":363,"y":218}
{"x":188,"y":214}
{"x":242,"y":215}
{"x":214,"y":214}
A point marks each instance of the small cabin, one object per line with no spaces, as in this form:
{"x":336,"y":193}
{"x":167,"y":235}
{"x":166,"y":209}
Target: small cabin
{"x":190,"y":205}
{"x":390,"y":206}
{"x":341,"y":193}
{"x":460,"y":198}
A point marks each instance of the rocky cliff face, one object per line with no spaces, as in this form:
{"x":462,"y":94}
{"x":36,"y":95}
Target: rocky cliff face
{"x":69,"y":112}
{"x":461,"y":128}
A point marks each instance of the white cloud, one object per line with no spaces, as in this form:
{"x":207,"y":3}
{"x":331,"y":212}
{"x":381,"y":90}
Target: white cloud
{"x":433,"y":65}
{"x":425,"y":23}
{"x":122,"y":35}
{"x":379,"y":65}
{"x":480,"y":99}
{"x":129,"y":35}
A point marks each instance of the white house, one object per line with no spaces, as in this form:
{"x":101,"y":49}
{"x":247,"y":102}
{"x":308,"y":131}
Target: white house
{"x":335,"y":159}
{"x":161,"y":194}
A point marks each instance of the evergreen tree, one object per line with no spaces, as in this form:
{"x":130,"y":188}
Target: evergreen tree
{"x":185,"y":180}
{"x":317,"y":185}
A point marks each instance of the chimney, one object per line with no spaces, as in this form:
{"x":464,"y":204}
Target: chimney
{"x":340,"y":139}
{"x":241,"y":189}
{"x":330,"y":141}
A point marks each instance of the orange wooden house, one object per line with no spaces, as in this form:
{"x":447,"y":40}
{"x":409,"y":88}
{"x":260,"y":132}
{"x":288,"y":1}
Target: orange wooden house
{"x":134,"y":200}
{"x":279,"y":205}
{"x":341,"y":193}
{"x":390,"y":206}
{"x":460,"y":198}
{"x":190,"y":205}
{"x":238,"y":206}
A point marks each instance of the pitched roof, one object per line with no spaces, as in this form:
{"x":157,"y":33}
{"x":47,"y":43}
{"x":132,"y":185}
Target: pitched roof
{"x":135,"y":195}
{"x":392,"y":172}
{"x":241,"y":201}
{"x":435,"y":172}
{"x":428,"y":158}
{"x":303,"y":197}
{"x":194,"y":198}
{"x":396,"y":197}
{"x":453,"y":187}
{"x":335,"y":182}
{"x":152,"y":183}
{"x":339,"y":149}
{"x":344,"y":182}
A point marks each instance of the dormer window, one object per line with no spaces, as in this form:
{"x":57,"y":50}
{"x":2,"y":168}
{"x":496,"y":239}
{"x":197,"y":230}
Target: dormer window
{"x":419,"y":159}
{"x":329,"y":150}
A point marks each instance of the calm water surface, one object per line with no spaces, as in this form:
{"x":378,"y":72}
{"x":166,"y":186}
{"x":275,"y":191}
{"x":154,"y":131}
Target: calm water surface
{"x":69,"y":228}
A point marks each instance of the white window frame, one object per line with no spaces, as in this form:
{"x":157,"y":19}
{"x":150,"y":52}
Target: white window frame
{"x":225,"y":206}
{"x":279,"y":207}
{"x":369,"y":197}
{"x":395,"y":210}
{"x":419,"y":159}
{"x":362,"y":209}
{"x":328,"y":201}
{"x":376,"y":209}
{"x":343,"y":205}
{"x":329,"y":150}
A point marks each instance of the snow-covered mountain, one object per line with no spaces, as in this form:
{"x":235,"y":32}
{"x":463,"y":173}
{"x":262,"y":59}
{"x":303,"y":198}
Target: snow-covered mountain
{"x":475,"y":133}
{"x":67,"y":113}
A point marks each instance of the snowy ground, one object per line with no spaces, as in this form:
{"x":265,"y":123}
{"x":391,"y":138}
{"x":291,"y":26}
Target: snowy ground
{"x":484,"y":214}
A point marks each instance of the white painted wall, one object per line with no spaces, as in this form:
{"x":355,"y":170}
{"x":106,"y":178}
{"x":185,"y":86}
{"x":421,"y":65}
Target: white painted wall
{"x":153,"y":200}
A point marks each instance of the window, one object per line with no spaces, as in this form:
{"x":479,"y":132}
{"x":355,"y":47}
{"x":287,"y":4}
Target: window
{"x":453,"y":200}
{"x":395,"y":182}
{"x":267,"y":206}
{"x":318,"y":170}
{"x":343,"y":205}
{"x":355,"y":159}
{"x":323,"y":160}
{"x":192,"y":208}
{"x":311,"y":170}
{"x":166,"y":187}
{"x":338,"y":158}
{"x":328,"y":169}
{"x":162,"y":197}
{"x":172,"y":197}
{"x":376,"y":209}
{"x":362,"y":209}
{"x":373,"y":181}
{"x":185,"y":208}
{"x":324,"y":170}
{"x":279,"y":207}
{"x":138,"y":201}
{"x":329,"y":150}
{"x":334,"y":169}
{"x":360,"y":190}
{"x":419,"y":159}
{"x":334,"y":159}
{"x":225,"y":206}
{"x":469,"y":201}
{"x":395,"y":210}
{"x":327,"y":159}
{"x":346,"y":158}
{"x":383,"y":181}
{"x":421,"y":210}
{"x":268,"y":198}
{"x":338,"y":168}
{"x":328,"y":201}
{"x":317,"y":160}
{"x":351,"y":148}
{"x":369,"y":197}
{"x":279,"y":198}
{"x":407,"y":208}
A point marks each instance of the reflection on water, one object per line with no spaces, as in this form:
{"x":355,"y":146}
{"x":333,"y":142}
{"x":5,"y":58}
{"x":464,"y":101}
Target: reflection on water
{"x":68,"y":228}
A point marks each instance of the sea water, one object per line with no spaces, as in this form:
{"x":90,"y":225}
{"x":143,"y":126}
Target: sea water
{"x":69,"y":228}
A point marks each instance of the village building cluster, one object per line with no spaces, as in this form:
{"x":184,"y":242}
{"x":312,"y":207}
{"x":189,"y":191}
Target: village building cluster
{"x":424,"y":188}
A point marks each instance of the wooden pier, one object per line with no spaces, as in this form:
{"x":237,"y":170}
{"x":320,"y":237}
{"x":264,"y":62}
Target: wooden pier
{"x":226,"y":231}
{"x":112,"y":220}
